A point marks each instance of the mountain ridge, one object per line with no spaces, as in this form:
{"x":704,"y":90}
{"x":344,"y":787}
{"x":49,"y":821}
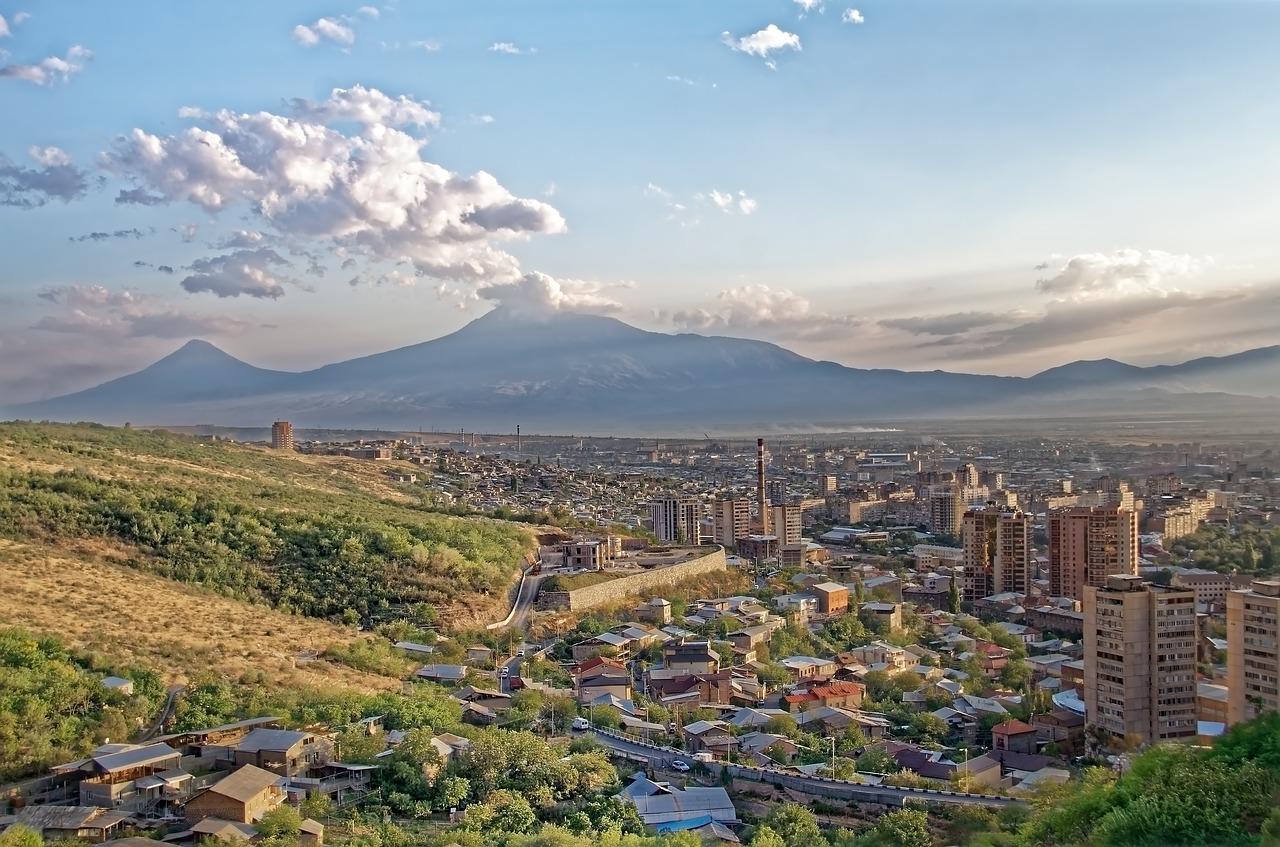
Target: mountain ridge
{"x":577,"y":372}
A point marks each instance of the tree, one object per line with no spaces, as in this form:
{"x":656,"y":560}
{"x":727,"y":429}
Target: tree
{"x":876,"y":760}
{"x":20,"y":836}
{"x":953,"y":595}
{"x":280,"y":826}
{"x":795,"y":825}
{"x":905,"y":828}
{"x":766,"y":837}
{"x":502,"y":812}
{"x":930,"y":726}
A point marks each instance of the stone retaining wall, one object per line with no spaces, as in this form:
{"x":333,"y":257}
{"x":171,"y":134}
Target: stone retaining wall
{"x":603,"y":593}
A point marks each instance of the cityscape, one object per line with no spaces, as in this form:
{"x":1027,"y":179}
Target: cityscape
{"x":780,"y":423}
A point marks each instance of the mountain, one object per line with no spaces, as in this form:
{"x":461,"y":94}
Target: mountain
{"x":565,"y":372}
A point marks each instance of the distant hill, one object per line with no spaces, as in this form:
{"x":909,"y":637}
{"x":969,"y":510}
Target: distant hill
{"x":564,"y":372}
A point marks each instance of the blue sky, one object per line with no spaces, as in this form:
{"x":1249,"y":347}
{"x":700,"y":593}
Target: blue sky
{"x":981,"y":186}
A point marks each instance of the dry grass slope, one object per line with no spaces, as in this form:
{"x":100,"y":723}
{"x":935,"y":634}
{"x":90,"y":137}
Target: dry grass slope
{"x":134,"y":617}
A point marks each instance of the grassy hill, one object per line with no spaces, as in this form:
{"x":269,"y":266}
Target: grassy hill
{"x":325,"y":537}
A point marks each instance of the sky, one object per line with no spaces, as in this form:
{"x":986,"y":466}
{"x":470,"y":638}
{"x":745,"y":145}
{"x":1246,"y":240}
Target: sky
{"x":994,"y":187}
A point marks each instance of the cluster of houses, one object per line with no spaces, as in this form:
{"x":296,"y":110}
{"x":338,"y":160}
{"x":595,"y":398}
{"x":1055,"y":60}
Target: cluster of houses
{"x":214,"y":783}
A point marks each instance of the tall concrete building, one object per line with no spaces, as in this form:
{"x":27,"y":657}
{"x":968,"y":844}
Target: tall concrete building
{"x":1140,"y":660}
{"x":946,"y":508}
{"x":787,"y":524}
{"x":676,"y":519}
{"x":967,"y":475}
{"x":828,"y":483}
{"x":1253,"y":650}
{"x":1087,"y":544}
{"x":282,"y":435}
{"x":998,"y":553}
{"x":732,"y":520}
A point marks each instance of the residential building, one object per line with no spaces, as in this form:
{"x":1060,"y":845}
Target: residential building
{"x":1088,"y":544}
{"x":833,"y":598}
{"x":946,"y":509}
{"x":997,"y":553}
{"x":732,"y":520}
{"x":1140,"y":660}
{"x":676,"y":519}
{"x":888,"y":614}
{"x":241,"y":797}
{"x":282,"y":435}
{"x":1253,"y":650}
{"x":282,"y":751}
{"x":860,"y":511}
{"x":787,"y":524}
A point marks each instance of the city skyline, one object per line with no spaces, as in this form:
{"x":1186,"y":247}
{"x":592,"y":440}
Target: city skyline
{"x":998,"y":189}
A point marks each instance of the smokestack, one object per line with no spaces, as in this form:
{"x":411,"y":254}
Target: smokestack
{"x":762,"y":503}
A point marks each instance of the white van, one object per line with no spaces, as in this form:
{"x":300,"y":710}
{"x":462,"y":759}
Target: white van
{"x":580,"y":724}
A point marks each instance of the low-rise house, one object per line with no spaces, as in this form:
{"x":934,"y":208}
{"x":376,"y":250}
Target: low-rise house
{"x":761,"y":748}
{"x":1062,"y":728}
{"x":889,"y":615}
{"x":497,"y":701}
{"x":685,"y":689}
{"x":664,"y":808}
{"x":243,"y":796}
{"x":845,"y":695}
{"x":712,"y":737}
{"x":110,"y":776}
{"x":752,"y":718}
{"x":690,"y":657}
{"x":1014,"y":736}
{"x":282,"y":751}
{"x":479,"y":653}
{"x":809,"y":668}
{"x":445,"y":674}
{"x":604,"y":644}
{"x":84,"y":823}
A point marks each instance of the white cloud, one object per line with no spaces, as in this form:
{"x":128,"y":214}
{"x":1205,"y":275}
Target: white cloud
{"x":426,"y":45}
{"x":248,"y":272}
{"x":29,"y":188}
{"x":93,"y":310}
{"x":853,"y":16}
{"x":539,"y":293}
{"x":240,"y":239}
{"x":730,"y":203}
{"x":370,"y":193}
{"x":21,"y":17}
{"x":5,"y":32}
{"x":1121,"y":272}
{"x":192,"y":112}
{"x":369,"y":11}
{"x":50,"y":70}
{"x":763,"y":43}
{"x":807,"y":6}
{"x":760,"y":309}
{"x":324,"y":29}
{"x":509,"y":48}
{"x":187,"y":232}
{"x":680,"y":79}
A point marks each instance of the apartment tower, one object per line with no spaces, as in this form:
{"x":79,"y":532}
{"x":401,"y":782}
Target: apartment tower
{"x":282,"y":435}
{"x":732,"y":520}
{"x":1140,"y":660}
{"x":787,"y":524}
{"x":676,"y":519}
{"x":1253,"y":650}
{"x":997,"y":553}
{"x":1087,"y":544}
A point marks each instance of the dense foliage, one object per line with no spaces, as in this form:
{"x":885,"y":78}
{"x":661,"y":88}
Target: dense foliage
{"x":1247,"y":548}
{"x":322,"y":553}
{"x":54,"y":708}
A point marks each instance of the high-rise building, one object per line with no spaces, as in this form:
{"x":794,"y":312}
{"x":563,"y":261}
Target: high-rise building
{"x":776,"y":490}
{"x":1089,"y":543}
{"x":1140,"y":660}
{"x":828,"y":483}
{"x":1253,"y":650}
{"x":676,"y":519}
{"x":762,"y":497}
{"x":997,"y":553}
{"x":732,"y":520}
{"x":282,"y":435}
{"x":967,"y":475}
{"x":946,"y":508}
{"x":787,"y":524}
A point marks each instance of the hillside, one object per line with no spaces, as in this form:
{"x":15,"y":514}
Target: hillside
{"x":564,"y":372}
{"x":323,"y":537}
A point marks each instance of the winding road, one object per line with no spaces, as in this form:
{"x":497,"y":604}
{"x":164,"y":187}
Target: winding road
{"x":522,"y":606}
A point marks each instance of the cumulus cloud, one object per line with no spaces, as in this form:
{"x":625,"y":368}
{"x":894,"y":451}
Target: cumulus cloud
{"x":324,"y":29}
{"x":539,"y":293}
{"x":807,"y":6}
{"x":368,"y":107}
{"x":729,"y":202}
{"x":760,"y":309}
{"x":94,"y":310}
{"x":108,"y":236}
{"x":368,"y":193}
{"x":49,"y":70}
{"x":853,"y":16}
{"x":56,"y":179}
{"x":369,"y":11}
{"x":252,"y":273}
{"x":5,"y":32}
{"x":763,"y":43}
{"x":241,"y":239}
{"x":509,"y":48}
{"x":1120,"y":272}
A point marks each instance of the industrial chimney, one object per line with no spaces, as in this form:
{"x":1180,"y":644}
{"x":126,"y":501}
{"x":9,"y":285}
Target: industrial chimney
{"x":762,"y":503}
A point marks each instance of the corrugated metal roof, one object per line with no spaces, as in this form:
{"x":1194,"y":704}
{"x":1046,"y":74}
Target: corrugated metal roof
{"x":134,"y":757}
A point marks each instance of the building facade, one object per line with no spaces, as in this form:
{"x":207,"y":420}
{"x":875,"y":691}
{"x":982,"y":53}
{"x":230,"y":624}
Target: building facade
{"x":1088,"y":544}
{"x":997,"y":553}
{"x":282,"y":435}
{"x":1140,"y":660}
{"x":787,"y":524}
{"x":1253,"y":650}
{"x":731,"y":521}
{"x":676,"y":519}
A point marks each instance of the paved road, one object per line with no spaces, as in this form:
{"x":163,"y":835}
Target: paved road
{"x":170,"y":703}
{"x":661,"y":757}
{"x":522,"y":606}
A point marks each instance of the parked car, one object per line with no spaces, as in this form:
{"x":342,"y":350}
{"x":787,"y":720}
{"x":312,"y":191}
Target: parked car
{"x":505,"y":672}
{"x":680,"y":765}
